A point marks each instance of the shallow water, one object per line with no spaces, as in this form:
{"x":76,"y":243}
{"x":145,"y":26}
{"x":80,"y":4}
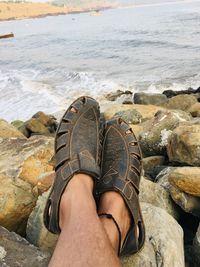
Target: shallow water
{"x":52,"y":60}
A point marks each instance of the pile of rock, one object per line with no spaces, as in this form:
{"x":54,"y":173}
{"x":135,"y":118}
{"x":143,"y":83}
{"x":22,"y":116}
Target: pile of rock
{"x":170,"y":185}
{"x":39,"y":124}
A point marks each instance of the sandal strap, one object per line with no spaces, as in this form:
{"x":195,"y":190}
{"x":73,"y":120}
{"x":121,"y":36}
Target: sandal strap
{"x":109,"y":216}
{"x":84,"y":163}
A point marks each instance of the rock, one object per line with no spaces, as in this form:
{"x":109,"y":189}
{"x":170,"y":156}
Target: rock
{"x":22,"y":163}
{"x":34,"y":126}
{"x":157,"y":196}
{"x":15,"y":251}
{"x":24,"y":131}
{"x":149,"y":99}
{"x":182,"y":102}
{"x":48,"y":121}
{"x":184,"y":145}
{"x":151,"y":163}
{"x":17,"y":123}
{"x":187,"y":202}
{"x":127,"y":102}
{"x":195,"y":110}
{"x":164,"y":241}
{"x":131,"y":116}
{"x":8,"y":130}
{"x":17,"y":202}
{"x":36,"y":232}
{"x":187,"y":179}
{"x":147,"y":111}
{"x":114,"y":95}
{"x":189,"y":91}
{"x":44,"y":182}
{"x":196,"y":247}
{"x":154,"y":139}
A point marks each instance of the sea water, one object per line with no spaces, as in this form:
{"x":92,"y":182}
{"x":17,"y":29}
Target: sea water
{"x":52,"y":60}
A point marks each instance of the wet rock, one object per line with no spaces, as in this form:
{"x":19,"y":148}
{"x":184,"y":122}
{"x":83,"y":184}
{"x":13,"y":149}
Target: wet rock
{"x":189,"y":91}
{"x":184,"y":145}
{"x":114,"y":95}
{"x":147,"y":111}
{"x":182,"y":102}
{"x":157,"y":196}
{"x":164,"y":241}
{"x":131,"y":116}
{"x":149,"y":99}
{"x":154,"y":138}
{"x":15,"y":251}
{"x":7,"y":130}
{"x":187,"y":179}
{"x":195,"y":110}
{"x":22,"y":163}
{"x":36,"y":232}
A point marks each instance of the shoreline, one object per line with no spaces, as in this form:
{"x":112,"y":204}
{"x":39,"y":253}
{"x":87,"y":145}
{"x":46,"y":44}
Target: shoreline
{"x":41,"y":10}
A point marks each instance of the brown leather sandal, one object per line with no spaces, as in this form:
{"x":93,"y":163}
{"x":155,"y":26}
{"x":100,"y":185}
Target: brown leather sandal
{"x":77,"y":150}
{"x":121,"y":169}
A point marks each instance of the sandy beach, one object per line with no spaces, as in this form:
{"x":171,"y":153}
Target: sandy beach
{"x":15,"y":11}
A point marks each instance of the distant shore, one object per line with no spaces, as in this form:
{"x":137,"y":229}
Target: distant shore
{"x":18,"y":11}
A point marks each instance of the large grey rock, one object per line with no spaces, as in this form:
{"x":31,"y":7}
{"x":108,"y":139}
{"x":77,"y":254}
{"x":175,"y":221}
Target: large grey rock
{"x":15,"y":251}
{"x":131,"y":116}
{"x":164,"y":241}
{"x":154,"y":138}
{"x":150,"y":99}
{"x":184,"y":145}
{"x":157,"y":196}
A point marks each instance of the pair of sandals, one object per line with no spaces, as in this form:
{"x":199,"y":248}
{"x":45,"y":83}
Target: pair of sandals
{"x":109,"y":153}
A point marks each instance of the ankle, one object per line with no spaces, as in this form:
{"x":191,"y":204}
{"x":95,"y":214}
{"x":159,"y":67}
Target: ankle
{"x":112,"y":203}
{"x":78,"y":192}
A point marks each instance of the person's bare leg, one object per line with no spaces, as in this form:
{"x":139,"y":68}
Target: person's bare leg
{"x":83,"y":240}
{"x":113,"y":203}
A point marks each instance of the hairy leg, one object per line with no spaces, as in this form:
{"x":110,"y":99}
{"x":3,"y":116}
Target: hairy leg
{"x":83,"y":240}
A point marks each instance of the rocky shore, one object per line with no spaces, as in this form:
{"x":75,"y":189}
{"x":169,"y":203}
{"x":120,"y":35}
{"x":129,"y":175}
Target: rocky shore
{"x":168,"y":128}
